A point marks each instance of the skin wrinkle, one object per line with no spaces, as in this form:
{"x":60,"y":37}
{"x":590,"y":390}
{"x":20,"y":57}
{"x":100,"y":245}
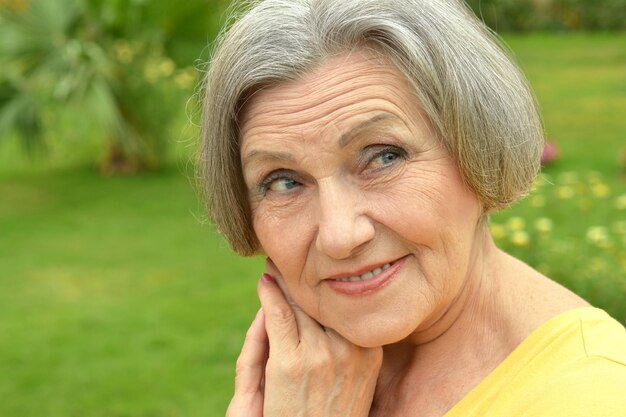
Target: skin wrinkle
{"x":379,"y":119}
{"x":354,"y":132}
{"x":370,"y":76}
{"x":255,"y":176}
{"x":362,"y":101}
{"x":331,"y":175}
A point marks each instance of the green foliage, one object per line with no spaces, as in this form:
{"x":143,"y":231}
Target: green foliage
{"x":505,"y":15}
{"x":528,"y":15}
{"x":590,"y":15}
{"x":19,"y":110}
{"x":105,"y":62}
{"x":573,"y":229}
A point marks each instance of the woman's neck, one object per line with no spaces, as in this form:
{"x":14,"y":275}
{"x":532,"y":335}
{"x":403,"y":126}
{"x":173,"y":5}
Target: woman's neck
{"x":441,"y":361}
{"x":501,"y":302}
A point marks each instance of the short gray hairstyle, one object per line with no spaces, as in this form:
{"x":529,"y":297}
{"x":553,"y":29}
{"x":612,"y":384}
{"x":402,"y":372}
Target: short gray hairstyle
{"x":476,"y":98}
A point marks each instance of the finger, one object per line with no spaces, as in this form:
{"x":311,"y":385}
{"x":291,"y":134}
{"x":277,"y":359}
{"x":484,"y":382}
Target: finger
{"x":253,"y":357}
{"x":307,"y":326}
{"x":280,"y":320}
{"x":273,"y":271}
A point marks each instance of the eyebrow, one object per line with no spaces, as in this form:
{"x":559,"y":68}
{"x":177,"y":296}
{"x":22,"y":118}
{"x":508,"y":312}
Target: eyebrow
{"x":347,"y":137}
{"x":268,"y":156}
{"x":344,"y":140}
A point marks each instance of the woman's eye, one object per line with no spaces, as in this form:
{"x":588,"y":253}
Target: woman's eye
{"x":386,"y":157}
{"x":283,"y":184}
{"x":278,"y":184}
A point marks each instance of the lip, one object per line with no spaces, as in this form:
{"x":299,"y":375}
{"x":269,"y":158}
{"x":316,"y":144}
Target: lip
{"x":373,"y":285}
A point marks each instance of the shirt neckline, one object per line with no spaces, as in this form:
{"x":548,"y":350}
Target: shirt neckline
{"x":520,"y":356}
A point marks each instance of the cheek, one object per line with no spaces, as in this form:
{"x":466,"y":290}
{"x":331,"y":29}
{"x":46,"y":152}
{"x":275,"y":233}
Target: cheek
{"x":283,"y":238}
{"x":432,"y":211}
{"x":415,"y":200}
{"x":430,"y":194}
{"x":286,"y":240}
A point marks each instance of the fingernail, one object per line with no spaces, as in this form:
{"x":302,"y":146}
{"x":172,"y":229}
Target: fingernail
{"x":267,"y":278}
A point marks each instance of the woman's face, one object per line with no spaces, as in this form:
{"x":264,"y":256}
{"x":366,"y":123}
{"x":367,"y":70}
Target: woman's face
{"x":356,"y":201}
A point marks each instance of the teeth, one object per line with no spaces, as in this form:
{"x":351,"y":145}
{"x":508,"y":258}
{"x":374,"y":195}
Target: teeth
{"x":366,"y":276}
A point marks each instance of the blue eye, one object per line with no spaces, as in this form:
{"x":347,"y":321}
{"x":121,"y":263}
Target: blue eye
{"x":282,"y":184}
{"x":386,"y":157}
{"x":278,"y":182}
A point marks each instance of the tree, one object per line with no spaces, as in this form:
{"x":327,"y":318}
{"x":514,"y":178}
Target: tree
{"x":103,"y":61}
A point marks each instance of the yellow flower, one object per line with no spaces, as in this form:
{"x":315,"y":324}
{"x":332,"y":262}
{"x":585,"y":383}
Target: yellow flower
{"x":167,"y":67}
{"x":497,"y":231}
{"x":151,"y":72}
{"x":520,"y":238}
{"x":598,"y":235}
{"x":185,"y":79}
{"x":565,"y":192}
{"x":619,"y":227}
{"x":123,"y":51}
{"x":620,"y":202}
{"x":538,"y":201}
{"x":569,"y":177}
{"x":600,"y":189}
{"x":543,"y":225}
{"x":516,"y":223}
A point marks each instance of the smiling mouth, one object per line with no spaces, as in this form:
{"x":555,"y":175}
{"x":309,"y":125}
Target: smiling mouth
{"x":366,"y":276}
{"x":368,"y":282}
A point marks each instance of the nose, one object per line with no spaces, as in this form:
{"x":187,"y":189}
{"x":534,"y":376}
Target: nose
{"x":344,"y":227}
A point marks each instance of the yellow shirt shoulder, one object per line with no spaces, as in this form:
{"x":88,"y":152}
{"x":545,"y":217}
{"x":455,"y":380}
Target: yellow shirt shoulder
{"x":573,"y":365}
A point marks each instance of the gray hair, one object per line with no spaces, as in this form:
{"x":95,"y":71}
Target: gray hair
{"x":474,"y":95}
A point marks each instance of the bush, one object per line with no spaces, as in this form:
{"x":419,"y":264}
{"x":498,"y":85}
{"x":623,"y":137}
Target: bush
{"x":589,"y":259}
{"x":589,"y":15}
{"x":506,"y":15}
{"x":528,"y":15}
{"x":122,"y":68}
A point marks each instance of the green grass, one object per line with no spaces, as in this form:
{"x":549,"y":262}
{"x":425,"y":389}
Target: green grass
{"x":115,"y":300}
{"x":580,"y":82}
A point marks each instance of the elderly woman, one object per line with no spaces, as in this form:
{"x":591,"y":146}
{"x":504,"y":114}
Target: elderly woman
{"x":361,"y":146}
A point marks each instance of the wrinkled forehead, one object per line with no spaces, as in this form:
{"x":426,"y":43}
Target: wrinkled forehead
{"x":343,"y":90}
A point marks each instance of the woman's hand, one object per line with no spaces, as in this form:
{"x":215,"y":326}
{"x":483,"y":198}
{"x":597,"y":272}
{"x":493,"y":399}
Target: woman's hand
{"x":309,"y":370}
{"x":250,"y":372}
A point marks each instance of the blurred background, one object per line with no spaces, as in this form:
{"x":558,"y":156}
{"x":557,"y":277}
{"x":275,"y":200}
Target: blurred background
{"x":117,"y":298}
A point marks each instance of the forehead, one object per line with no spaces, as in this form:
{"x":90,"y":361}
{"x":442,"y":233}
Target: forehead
{"x":344,"y":90}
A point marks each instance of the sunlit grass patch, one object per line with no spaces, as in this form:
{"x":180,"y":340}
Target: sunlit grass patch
{"x":572,"y":228}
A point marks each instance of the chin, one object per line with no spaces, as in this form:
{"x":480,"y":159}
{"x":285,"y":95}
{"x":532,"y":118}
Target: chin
{"x":375,"y":336}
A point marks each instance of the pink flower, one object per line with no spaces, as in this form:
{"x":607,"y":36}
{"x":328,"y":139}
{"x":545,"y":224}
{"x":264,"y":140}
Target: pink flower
{"x":550,"y":153}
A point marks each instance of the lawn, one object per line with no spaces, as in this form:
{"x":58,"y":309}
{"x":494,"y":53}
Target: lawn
{"x":117,"y":300}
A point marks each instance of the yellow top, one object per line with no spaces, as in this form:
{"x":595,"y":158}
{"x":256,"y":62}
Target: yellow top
{"x":574,"y":365}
